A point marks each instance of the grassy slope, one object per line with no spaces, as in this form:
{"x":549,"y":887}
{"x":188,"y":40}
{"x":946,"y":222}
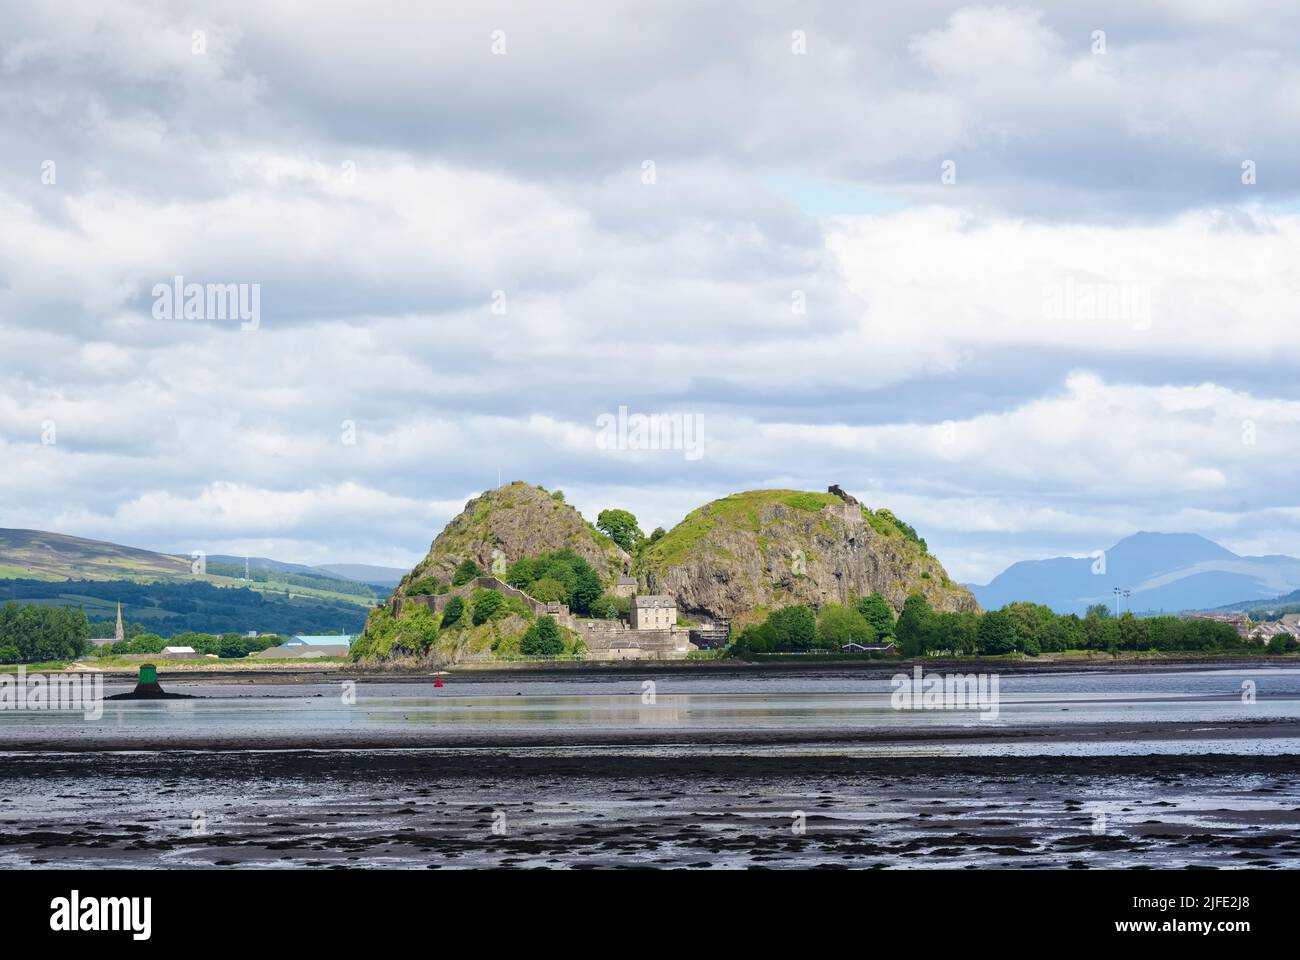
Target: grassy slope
{"x":37,"y":555}
{"x":739,"y":509}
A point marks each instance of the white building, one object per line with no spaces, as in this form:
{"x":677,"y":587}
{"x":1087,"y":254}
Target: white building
{"x":653,"y":612}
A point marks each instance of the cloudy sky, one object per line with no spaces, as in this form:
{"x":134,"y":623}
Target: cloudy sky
{"x":1025,"y":274}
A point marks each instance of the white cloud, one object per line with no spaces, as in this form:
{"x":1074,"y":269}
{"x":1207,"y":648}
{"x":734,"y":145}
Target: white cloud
{"x":946,"y":363}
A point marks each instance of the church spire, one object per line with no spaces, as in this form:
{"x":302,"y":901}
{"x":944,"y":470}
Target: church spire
{"x":120,"y":635}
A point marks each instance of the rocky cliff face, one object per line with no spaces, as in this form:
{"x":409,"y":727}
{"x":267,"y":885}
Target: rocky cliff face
{"x":515,"y":521}
{"x":750,"y":553}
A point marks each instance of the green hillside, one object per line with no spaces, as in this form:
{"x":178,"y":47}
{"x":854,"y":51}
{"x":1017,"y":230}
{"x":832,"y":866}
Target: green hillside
{"x":56,"y":557}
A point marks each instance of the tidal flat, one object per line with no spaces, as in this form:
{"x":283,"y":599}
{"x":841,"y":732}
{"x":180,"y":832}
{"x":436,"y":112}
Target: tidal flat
{"x":1078,"y":770}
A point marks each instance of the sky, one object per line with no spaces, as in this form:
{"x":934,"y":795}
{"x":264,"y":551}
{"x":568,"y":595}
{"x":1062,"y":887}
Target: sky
{"x":1026,"y":275}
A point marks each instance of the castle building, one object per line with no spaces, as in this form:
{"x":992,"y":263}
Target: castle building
{"x":653,"y":612}
{"x":625,"y":587}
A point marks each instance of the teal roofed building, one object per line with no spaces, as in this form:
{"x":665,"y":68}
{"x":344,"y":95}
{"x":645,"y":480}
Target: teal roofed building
{"x":327,"y":640}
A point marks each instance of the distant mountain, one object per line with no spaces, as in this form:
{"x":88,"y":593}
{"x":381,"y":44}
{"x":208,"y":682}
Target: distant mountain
{"x":1271,"y":608}
{"x":364,"y":573}
{"x":37,"y":555}
{"x":162,"y":591}
{"x":386,"y":577}
{"x":1163,"y":571}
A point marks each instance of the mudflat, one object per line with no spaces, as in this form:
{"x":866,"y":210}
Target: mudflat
{"x":440,"y":809}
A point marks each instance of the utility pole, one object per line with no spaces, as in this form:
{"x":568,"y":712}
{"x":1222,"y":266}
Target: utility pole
{"x":1117,"y":591}
{"x":1127,"y":606}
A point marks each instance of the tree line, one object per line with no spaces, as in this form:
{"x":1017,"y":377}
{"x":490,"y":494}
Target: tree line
{"x":1025,"y":628}
{"x":31,"y":633}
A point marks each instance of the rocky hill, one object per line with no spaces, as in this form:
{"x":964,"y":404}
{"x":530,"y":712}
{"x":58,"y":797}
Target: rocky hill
{"x":513,"y":522}
{"x":752,"y":552}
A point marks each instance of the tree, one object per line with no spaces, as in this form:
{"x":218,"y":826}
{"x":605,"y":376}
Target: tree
{"x":562,"y":576}
{"x":957,"y":633}
{"x":795,"y":627}
{"x":486,"y":603}
{"x":913,"y":626}
{"x":879,"y":614}
{"x":587,"y":589}
{"x":997,"y":633}
{"x":757,"y":638}
{"x":610,"y":607}
{"x":621,"y":527}
{"x":542,"y":639}
{"x":232,"y":647}
{"x":548,"y":589}
{"x":1283,"y":643}
{"x":452,"y":612}
{"x":466,"y":572}
{"x":838,"y":625}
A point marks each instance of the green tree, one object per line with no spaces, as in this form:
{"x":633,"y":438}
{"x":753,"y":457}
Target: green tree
{"x":879,"y":614}
{"x":452,"y":612}
{"x":1283,"y":643}
{"x":485,"y":604}
{"x":621,"y":527}
{"x":913,"y":626}
{"x":956,"y":633}
{"x":795,"y":627}
{"x":997,"y":633}
{"x":610,"y":607}
{"x":838,"y":625}
{"x":548,"y":589}
{"x":756,"y":638}
{"x":542,"y":639}
{"x":231,"y":647}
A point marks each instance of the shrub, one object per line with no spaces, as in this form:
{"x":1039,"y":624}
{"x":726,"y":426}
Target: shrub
{"x":466,"y":572}
{"x":606,"y":607}
{"x":424,"y":587}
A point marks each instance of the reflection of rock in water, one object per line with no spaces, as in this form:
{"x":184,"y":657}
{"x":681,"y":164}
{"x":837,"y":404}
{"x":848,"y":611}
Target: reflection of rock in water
{"x":148,"y":688}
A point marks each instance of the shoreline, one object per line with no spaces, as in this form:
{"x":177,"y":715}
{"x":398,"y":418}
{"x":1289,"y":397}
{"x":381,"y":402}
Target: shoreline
{"x":514,"y":670}
{"x":710,"y":742}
